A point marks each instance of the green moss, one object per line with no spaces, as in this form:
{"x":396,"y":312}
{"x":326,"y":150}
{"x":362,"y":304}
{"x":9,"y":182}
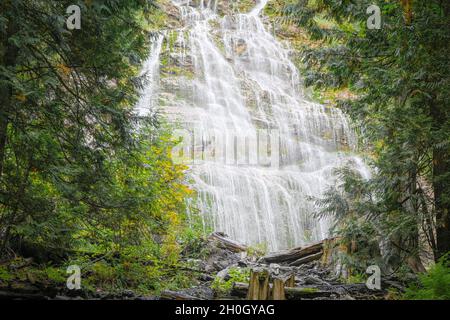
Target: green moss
{"x":309,"y":290}
{"x":356,"y":278}
{"x":219,"y":43}
{"x":176,"y":71}
{"x":159,"y":18}
{"x":223,"y":287}
{"x":244,"y":5}
{"x":5,"y":275}
{"x":257,"y":250}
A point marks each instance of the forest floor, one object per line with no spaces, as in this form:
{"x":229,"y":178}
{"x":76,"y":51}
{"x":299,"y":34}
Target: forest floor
{"x":226,"y":274}
{"x":221,"y":270}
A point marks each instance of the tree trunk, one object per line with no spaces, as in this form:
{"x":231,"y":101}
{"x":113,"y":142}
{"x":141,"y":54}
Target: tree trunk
{"x":278,"y":289}
{"x":307,"y":259}
{"x":240,"y":290}
{"x":258,"y":288}
{"x":173,"y":295}
{"x":226,"y":243}
{"x":407,"y":11}
{"x":441,"y":186}
{"x":8,"y":60}
{"x":279,"y":285}
{"x":289,"y":256}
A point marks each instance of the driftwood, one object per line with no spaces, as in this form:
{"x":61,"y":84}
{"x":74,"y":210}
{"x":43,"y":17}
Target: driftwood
{"x":258,"y":289}
{"x":227,"y":243}
{"x":240,"y":289}
{"x":310,"y":258}
{"x":292,"y":255}
{"x":173,"y":295}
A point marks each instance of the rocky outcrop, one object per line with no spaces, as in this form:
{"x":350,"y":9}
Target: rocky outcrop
{"x":311,"y":280}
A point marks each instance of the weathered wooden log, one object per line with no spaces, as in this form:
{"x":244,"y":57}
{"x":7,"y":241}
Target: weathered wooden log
{"x":227,"y":243}
{"x":259,"y":285}
{"x":279,"y":284}
{"x":293,"y":254}
{"x":298,"y":293}
{"x":306,"y":259}
{"x":5,"y":295}
{"x":240,"y":289}
{"x":278,"y":289}
{"x":173,"y":295}
{"x":328,"y":250}
{"x":282,"y":256}
{"x":290,"y":281}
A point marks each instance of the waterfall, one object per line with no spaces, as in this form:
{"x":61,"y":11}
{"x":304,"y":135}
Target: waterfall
{"x":150,"y":76}
{"x":259,"y":149}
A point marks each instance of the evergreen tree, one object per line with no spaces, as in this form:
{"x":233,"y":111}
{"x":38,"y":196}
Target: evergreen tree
{"x":74,"y":171}
{"x":400,"y":75}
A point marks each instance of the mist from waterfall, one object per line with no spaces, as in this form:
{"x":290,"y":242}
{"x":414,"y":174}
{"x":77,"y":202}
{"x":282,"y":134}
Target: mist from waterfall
{"x":244,"y":83}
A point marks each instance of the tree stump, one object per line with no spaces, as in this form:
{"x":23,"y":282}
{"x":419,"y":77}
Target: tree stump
{"x":259,"y":285}
{"x":290,"y":282}
{"x":278,"y":289}
{"x":279,"y":286}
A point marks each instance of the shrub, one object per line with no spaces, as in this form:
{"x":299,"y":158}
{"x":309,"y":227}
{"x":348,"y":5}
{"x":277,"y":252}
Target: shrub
{"x":433,"y":285}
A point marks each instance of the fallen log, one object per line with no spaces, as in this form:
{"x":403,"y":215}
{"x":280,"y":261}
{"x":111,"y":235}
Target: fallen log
{"x":299,"y":293}
{"x":174,"y":295}
{"x":282,"y":256}
{"x":5,"y":295}
{"x":240,"y":290}
{"x":292,"y":255}
{"x":227,"y":243}
{"x":310,"y":258}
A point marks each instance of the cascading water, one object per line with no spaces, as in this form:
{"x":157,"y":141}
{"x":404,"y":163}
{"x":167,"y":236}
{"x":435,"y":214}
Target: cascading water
{"x":150,"y":75}
{"x":232,"y":77}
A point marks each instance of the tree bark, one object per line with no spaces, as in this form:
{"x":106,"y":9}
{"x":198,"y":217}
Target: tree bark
{"x":227,"y":243}
{"x":278,"y":289}
{"x":258,"y":288}
{"x":293,"y":254}
{"x":310,"y":258}
{"x":441,"y":167}
{"x":8,"y":60}
{"x":173,"y":295}
{"x":240,"y":290}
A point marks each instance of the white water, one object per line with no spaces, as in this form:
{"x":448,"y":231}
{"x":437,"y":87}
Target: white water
{"x":244,"y":81}
{"x":150,"y":75}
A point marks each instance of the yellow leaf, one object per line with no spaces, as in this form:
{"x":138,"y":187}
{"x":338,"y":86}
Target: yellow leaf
{"x":64,"y":69}
{"x":21,"y":97}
